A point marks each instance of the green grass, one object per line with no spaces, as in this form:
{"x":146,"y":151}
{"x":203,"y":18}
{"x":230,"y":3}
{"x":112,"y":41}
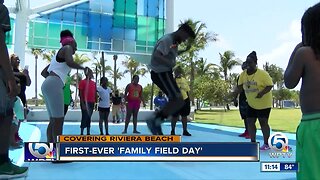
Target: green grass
{"x":284,"y":120}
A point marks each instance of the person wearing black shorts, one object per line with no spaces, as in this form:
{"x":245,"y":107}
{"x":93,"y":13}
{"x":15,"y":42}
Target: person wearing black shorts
{"x":243,"y":106}
{"x":104,"y":93}
{"x":257,"y":85}
{"x":163,"y":60}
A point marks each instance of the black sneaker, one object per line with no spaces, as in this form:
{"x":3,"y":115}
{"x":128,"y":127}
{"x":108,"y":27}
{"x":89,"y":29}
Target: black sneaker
{"x":186,"y":133}
{"x":157,"y":123}
{"x":173,"y":133}
{"x":8,"y":171}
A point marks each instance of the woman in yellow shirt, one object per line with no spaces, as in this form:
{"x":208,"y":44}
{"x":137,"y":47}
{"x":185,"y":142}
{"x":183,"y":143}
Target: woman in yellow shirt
{"x":185,"y":110}
{"x":257,"y":85}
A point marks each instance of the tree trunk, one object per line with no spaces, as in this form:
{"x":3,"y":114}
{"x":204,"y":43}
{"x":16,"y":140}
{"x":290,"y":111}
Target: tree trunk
{"x":115,"y":75}
{"x":103,"y":66}
{"x":198,"y":104}
{"x":151,"y":99}
{"x":228,"y":108}
{"x":191,"y":82}
{"x":36,"y":81}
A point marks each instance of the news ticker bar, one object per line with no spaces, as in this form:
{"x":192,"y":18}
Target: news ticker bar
{"x":279,"y":167}
{"x":146,"y":151}
{"x":104,"y":139}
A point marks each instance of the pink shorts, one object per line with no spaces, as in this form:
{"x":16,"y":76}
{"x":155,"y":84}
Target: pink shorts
{"x":133,"y":104}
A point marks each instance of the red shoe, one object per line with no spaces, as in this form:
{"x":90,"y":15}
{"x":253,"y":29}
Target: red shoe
{"x":247,"y":136}
{"x":18,"y":138}
{"x":243,"y":134}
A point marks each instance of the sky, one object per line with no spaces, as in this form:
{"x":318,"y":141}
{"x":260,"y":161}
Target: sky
{"x":271,"y":28}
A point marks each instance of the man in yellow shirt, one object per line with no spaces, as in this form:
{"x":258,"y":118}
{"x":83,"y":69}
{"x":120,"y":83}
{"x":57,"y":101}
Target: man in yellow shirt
{"x":185,"y":110}
{"x":257,"y":85}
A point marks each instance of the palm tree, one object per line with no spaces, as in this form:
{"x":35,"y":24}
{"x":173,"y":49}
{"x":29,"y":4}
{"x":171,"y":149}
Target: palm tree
{"x":115,"y":74}
{"x":203,"y":68}
{"x":79,"y":59}
{"x":48,"y":55}
{"x":227,"y":62}
{"x":134,"y":67}
{"x":199,"y":43}
{"x":96,"y":65}
{"x":276,"y":73}
{"x":36,"y":52}
{"x":234,"y":78}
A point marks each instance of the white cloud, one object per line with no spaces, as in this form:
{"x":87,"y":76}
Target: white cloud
{"x":293,"y":33}
{"x":280,"y":55}
{"x":287,"y":41}
{"x":222,"y":43}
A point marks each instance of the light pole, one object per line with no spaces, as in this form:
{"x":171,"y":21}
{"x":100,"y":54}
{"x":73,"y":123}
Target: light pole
{"x":115,"y":57}
{"x":36,"y":79}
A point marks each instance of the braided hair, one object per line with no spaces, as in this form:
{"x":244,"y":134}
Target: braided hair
{"x":310,"y":28}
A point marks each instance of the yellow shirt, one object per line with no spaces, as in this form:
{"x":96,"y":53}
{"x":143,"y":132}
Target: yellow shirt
{"x":253,"y":84}
{"x":183,"y":86}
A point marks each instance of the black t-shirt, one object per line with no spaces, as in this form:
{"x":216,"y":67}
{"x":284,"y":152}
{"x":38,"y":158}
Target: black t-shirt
{"x":23,"y":84}
{"x":4,"y":18}
{"x":116,"y":100}
{"x":22,"y":80}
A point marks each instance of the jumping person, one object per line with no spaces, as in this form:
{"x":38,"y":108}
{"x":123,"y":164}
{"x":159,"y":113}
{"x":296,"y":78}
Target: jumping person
{"x":163,"y":60}
{"x":52,"y":88}
{"x":304,"y":63}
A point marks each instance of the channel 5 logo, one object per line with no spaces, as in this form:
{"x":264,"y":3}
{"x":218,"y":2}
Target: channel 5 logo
{"x":280,"y":144}
{"x":40,"y":151}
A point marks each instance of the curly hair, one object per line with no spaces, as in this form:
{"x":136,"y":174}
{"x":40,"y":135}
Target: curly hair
{"x":310,"y":28}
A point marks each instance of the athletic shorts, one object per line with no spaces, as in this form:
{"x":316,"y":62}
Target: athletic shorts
{"x":308,"y":147}
{"x":258,"y":113}
{"x":104,"y":113}
{"x":52,"y":90}
{"x":243,"y":110}
{"x":185,"y":110}
{"x":134,"y":105}
{"x":166,"y":83}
